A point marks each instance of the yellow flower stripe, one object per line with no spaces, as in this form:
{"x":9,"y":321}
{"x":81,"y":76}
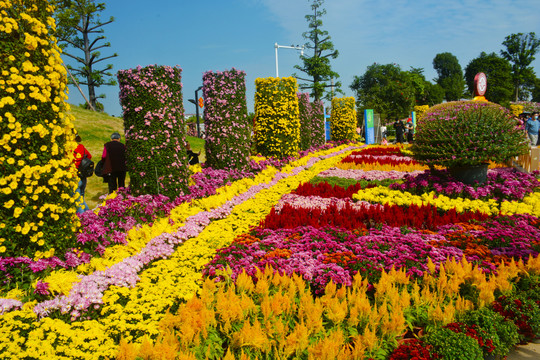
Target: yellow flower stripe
{"x":386,"y":167}
{"x":382,"y":195}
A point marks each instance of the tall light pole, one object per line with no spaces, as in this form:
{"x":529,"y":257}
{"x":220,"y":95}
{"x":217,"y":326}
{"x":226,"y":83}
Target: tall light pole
{"x":297,"y":47}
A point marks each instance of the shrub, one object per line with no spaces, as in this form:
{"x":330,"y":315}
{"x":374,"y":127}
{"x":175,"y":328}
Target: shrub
{"x":226,"y":123}
{"x":527,"y":106}
{"x":516,"y":109}
{"x":502,"y":332}
{"x":414,"y":349}
{"x":277,"y":124}
{"x":154,"y":124}
{"x":467,"y":133}
{"x":450,"y":345}
{"x":343,"y":119}
{"x":99,"y":107}
{"x":524,"y":312}
{"x":421,"y":110}
{"x":37,"y":211}
{"x":474,"y":331}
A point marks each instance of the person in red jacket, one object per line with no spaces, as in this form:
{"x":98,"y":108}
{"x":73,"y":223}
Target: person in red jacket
{"x":114,"y":159}
{"x":79,"y":153}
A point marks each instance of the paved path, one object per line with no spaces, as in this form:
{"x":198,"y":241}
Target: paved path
{"x":530,"y":351}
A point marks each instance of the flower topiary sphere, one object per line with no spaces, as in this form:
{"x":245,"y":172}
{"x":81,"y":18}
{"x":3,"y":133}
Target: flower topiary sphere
{"x":467,"y":133}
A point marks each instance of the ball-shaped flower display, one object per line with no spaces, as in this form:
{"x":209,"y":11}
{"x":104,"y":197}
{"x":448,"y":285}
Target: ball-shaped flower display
{"x":467,"y":133}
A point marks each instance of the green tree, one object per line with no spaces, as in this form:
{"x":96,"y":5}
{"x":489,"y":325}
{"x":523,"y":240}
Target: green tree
{"x":536,"y":91}
{"x":434,"y":94}
{"x":520,"y":51}
{"x":499,"y":74}
{"x":317,"y":67}
{"x":80,"y":35}
{"x":450,"y":75}
{"x":386,"y":89}
{"x":425,"y":93}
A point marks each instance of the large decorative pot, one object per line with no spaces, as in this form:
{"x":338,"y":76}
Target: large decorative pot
{"x":470,"y":174}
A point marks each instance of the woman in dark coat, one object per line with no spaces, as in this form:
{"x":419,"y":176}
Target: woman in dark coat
{"x":114,"y":158}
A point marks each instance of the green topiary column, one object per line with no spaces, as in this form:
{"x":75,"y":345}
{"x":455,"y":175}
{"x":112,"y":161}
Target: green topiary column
{"x":37,"y":211}
{"x":277,"y":123}
{"x":154,"y":125}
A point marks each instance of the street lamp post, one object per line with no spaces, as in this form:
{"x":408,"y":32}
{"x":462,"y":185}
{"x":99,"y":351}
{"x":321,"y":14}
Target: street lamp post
{"x":195,"y":101}
{"x":297,"y":47}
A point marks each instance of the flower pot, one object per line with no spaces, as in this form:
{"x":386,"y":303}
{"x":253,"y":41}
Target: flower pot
{"x":470,"y":174}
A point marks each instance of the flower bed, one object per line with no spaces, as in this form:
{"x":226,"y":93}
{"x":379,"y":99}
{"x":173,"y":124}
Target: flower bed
{"x":353,"y":272}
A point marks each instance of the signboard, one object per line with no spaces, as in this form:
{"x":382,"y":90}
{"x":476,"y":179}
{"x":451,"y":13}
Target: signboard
{"x":370,"y":131}
{"x":480,"y":84}
{"x":328,"y":135}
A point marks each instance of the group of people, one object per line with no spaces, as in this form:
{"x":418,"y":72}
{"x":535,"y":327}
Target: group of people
{"x":532,"y":126}
{"x":404,"y":131}
{"x":114,"y":166}
{"x":113,"y":171}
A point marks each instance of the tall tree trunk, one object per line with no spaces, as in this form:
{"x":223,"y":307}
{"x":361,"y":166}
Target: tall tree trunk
{"x":87,"y":58}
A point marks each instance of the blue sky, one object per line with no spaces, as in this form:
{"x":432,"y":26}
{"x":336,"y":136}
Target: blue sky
{"x":217,"y":35}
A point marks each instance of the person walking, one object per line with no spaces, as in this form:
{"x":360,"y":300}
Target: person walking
{"x":79,"y":153}
{"x":114,"y":159}
{"x":409,"y":128}
{"x":398,"y":126}
{"x":532,"y":126}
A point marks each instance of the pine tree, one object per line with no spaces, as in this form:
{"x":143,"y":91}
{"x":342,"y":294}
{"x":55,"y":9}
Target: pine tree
{"x":317,"y":67}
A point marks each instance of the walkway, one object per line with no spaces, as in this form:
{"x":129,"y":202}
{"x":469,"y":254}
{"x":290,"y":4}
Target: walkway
{"x":530,"y":351}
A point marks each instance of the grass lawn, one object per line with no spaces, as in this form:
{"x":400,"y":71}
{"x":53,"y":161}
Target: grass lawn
{"x":95,"y":130}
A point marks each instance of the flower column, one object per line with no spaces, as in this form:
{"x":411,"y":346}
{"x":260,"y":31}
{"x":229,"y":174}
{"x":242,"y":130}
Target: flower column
{"x":226,"y":123}
{"x":37,"y":212}
{"x":343,"y":119}
{"x":151,"y":99}
{"x":277,"y":125}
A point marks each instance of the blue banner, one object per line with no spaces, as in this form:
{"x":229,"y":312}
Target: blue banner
{"x":368,"y":123}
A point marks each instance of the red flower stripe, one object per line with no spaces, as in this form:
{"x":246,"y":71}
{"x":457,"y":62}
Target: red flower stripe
{"x":418,"y":217}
